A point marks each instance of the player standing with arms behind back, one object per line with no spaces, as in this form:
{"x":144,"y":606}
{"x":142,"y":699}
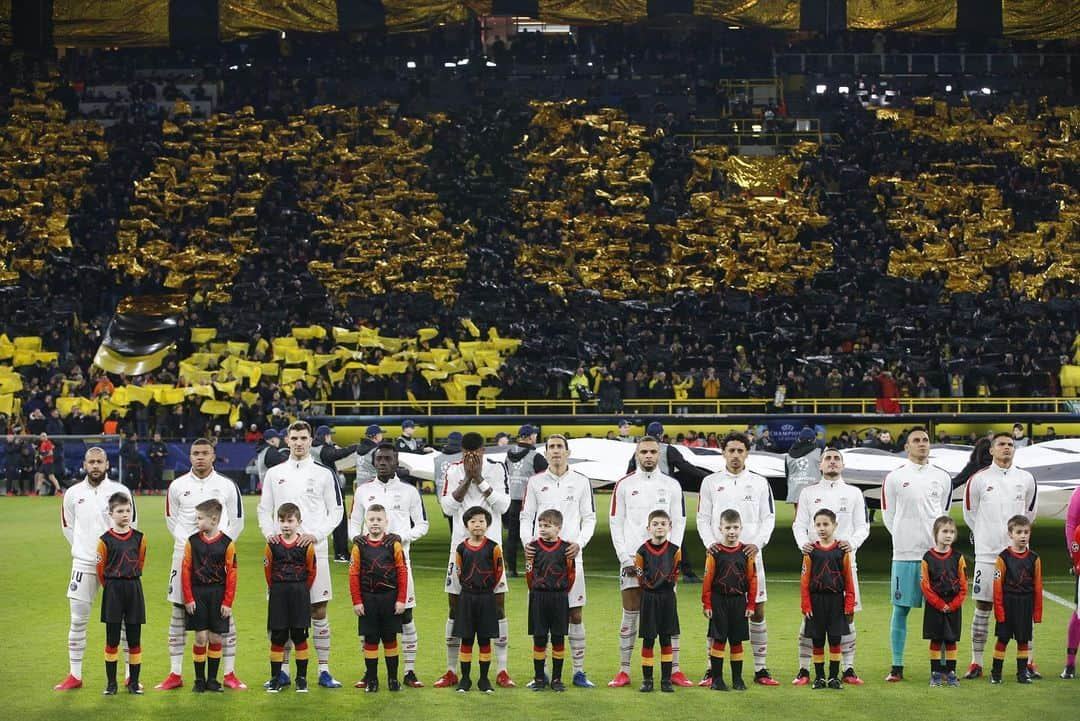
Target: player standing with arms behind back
{"x":852,"y":530}
{"x":185,"y":493}
{"x":992,"y":496}
{"x":314,"y":489}
{"x":570,"y":493}
{"x":736,"y":487}
{"x":84,"y":516}
{"x":636,"y":496}
{"x":407,"y":519}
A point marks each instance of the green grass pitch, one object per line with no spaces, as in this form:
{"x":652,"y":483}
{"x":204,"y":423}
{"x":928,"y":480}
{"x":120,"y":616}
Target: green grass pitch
{"x":34,"y":622}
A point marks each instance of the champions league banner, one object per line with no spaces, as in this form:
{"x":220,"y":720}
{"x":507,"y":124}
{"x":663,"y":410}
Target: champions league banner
{"x":785,"y":432}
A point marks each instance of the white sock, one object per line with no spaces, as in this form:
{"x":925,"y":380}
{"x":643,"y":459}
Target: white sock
{"x":806,"y":648}
{"x":576,"y":636}
{"x":177,"y":638}
{"x":502,"y":644}
{"x":759,"y":642}
{"x":674,"y":653}
{"x":847,"y":648}
{"x":285,"y":655}
{"x":80,"y":616}
{"x":1031,"y":651}
{"x":453,"y":646}
{"x":627,"y":635}
{"x":980,"y":628}
{"x":408,"y":645}
{"x":320,"y":630}
{"x":228,"y":648}
{"x":126,"y":650}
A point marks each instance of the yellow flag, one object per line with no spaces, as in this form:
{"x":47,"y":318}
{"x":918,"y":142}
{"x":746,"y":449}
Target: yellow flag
{"x":66,"y":405}
{"x":281,"y":344}
{"x":226,"y":387}
{"x":296,"y":356}
{"x":454,"y":392}
{"x":289,"y":376}
{"x":432,"y":376}
{"x":138,"y":394}
{"x":214,"y":408}
{"x":318,"y":360}
{"x":471,"y":327}
{"x":316,"y":332}
{"x":346,"y":337}
{"x":167,"y":395}
{"x":203,"y":335}
{"x":203,"y":389}
{"x":200,"y":360}
{"x":108,"y":407}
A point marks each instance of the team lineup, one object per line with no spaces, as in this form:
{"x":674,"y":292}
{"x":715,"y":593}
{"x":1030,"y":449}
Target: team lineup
{"x":551,"y":518}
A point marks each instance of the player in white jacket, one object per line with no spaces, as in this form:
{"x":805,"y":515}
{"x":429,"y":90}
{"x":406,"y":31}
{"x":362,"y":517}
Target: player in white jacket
{"x":992,"y":496}
{"x":748,"y":493}
{"x":84,"y":516}
{"x":637,"y":495}
{"x":199,"y":484}
{"x":474,"y":481}
{"x":571,"y":494}
{"x":852,"y":530}
{"x":408,"y":520}
{"x":314,"y":489}
{"x":912,"y":497}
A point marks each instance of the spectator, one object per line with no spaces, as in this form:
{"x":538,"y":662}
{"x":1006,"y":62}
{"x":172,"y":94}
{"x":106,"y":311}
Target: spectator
{"x":1019,"y":439}
{"x":157,"y":453}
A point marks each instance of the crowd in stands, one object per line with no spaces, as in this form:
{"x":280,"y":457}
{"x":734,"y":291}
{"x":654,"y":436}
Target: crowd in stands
{"x":894,"y":262}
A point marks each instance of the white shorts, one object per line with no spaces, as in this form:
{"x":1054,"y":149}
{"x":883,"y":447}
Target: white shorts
{"x":577,"y":591}
{"x":322,"y":590}
{"x":453,"y":584}
{"x":410,"y":591}
{"x":762,"y":597}
{"x":175,"y":593}
{"x":627,"y":580}
{"x":83,"y":585}
{"x":982,"y":581}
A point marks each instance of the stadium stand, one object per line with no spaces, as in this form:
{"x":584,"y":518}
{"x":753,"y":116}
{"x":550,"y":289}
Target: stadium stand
{"x":335,"y":227}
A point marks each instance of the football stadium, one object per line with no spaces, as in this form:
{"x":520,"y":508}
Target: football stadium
{"x":530,"y":333}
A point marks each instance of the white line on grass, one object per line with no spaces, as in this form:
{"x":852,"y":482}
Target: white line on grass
{"x":1057,"y":599}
